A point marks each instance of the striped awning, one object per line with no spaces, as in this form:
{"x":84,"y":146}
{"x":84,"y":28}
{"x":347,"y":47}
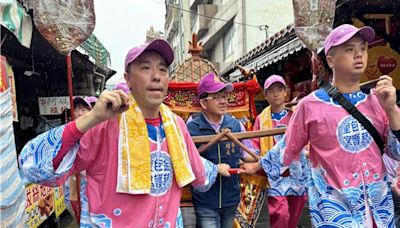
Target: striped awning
{"x":96,"y":50}
{"x":276,"y":54}
{"x":272,"y":56}
{"x":16,"y":20}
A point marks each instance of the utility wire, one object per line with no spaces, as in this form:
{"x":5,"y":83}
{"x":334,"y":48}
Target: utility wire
{"x":260,"y":27}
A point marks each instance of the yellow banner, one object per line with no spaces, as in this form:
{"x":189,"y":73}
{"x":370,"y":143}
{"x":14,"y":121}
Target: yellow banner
{"x":59,"y":205}
{"x":39,"y":204}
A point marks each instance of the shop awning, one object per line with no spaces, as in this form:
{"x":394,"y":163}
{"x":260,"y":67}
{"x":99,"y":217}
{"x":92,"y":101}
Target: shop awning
{"x":273,"y":49}
{"x":16,"y":20}
{"x":96,"y":50}
{"x":272,"y":56}
{"x":276,"y":54}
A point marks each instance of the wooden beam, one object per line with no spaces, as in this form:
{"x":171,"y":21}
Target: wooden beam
{"x":237,"y":142}
{"x":241,"y":135}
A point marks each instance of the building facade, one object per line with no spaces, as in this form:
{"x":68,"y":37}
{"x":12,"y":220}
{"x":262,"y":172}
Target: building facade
{"x":228,"y":29}
{"x":177,"y":28}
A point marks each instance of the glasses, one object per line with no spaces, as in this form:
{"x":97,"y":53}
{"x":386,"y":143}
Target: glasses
{"x":81,"y":108}
{"x":217,"y":98}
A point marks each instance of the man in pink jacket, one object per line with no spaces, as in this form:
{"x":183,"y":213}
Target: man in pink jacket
{"x":137,"y":154}
{"x":286,"y":195}
{"x":347,"y":185}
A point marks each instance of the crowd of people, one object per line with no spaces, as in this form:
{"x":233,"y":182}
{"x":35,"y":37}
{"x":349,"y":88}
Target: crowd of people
{"x":134,"y":155}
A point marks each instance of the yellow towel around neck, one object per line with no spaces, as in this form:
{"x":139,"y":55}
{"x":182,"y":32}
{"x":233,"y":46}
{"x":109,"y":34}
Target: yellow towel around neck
{"x":266,"y":143}
{"x":134,"y":164}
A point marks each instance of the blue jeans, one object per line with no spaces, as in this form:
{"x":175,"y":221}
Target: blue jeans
{"x":215,"y":218}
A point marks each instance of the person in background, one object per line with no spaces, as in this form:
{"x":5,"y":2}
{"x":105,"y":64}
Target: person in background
{"x":81,"y":107}
{"x":286,"y":195}
{"x":27,"y":123}
{"x":217,"y":207}
{"x":92,"y":100}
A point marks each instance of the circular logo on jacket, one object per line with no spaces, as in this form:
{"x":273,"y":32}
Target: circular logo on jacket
{"x":352,"y":136}
{"x":161,"y":173}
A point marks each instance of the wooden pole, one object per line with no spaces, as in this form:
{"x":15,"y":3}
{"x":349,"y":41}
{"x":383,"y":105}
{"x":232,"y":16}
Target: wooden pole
{"x":71,"y":101}
{"x":245,"y":148}
{"x":70,"y":86}
{"x":241,"y":135}
{"x":214,"y":140}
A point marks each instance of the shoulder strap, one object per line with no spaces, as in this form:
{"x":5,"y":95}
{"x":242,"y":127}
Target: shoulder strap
{"x":338,"y":97}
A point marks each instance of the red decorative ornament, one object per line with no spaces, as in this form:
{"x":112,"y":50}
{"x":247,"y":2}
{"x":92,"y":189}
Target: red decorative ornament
{"x":386,"y":64}
{"x":253,"y":88}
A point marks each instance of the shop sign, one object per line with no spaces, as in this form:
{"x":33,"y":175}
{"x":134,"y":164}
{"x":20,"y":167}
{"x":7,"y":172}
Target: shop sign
{"x":59,"y":205}
{"x":53,"y":105}
{"x":39,"y":204}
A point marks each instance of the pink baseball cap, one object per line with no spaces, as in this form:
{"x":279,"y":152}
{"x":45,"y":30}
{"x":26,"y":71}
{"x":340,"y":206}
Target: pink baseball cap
{"x":122,"y":86}
{"x":91,"y":99}
{"x":345,"y":32}
{"x":272,"y":79}
{"x":78,"y":100}
{"x":159,"y":45}
{"x":211,"y":83}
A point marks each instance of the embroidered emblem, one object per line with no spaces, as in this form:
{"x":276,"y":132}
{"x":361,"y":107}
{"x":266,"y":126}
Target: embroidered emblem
{"x":352,"y":136}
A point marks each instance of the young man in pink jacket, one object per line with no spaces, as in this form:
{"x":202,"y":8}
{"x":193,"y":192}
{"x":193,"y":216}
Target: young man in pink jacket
{"x":286,"y":195}
{"x":348,"y":183}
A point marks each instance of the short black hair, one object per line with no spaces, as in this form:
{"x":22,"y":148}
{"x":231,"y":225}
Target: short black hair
{"x":203,"y":95}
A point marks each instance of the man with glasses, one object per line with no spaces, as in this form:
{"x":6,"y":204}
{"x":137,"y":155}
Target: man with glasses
{"x":217,"y":207}
{"x":81,"y":106}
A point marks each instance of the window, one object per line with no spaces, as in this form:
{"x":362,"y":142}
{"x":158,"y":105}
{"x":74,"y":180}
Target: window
{"x":229,"y":42}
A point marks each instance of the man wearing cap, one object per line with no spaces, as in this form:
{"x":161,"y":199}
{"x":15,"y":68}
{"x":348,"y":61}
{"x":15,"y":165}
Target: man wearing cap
{"x":217,"y":207}
{"x":92,"y":100}
{"x":286,"y":195}
{"x":81,"y":107}
{"x":137,"y":154}
{"x":348,"y":182}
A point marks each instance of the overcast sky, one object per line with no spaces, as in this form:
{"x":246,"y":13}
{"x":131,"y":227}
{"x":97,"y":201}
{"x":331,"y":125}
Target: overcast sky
{"x":122,"y":24}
